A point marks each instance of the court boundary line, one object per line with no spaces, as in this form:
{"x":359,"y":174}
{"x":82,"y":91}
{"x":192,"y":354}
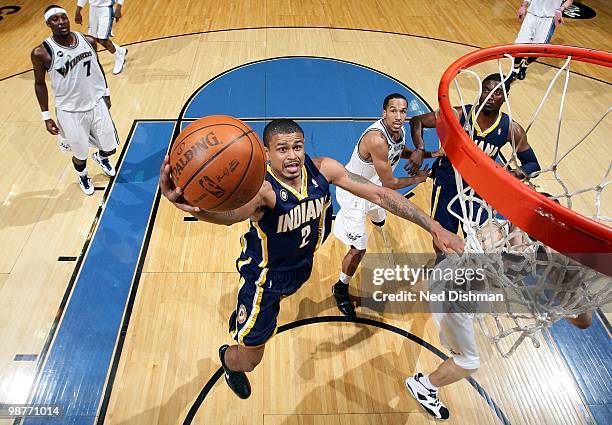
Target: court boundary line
{"x":42,"y":356}
{"x":322,"y":28}
{"x":127,"y":315}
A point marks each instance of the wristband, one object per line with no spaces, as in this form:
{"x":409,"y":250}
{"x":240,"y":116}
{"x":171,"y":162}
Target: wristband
{"x":107,"y":92}
{"x":419,"y":149}
{"x":46,"y":115}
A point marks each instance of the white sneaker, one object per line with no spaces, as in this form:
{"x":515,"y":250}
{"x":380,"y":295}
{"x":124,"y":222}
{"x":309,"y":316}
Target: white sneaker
{"x":120,"y":60}
{"x":86,"y":186}
{"x":426,"y":397}
{"x":104,"y":163}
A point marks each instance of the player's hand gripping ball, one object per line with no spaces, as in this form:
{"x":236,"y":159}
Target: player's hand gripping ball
{"x":219,"y":163}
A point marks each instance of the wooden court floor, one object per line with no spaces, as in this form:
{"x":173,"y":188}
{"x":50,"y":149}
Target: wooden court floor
{"x":324,"y":371}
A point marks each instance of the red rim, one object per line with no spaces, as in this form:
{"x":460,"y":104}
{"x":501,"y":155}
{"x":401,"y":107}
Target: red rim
{"x":555,"y":225}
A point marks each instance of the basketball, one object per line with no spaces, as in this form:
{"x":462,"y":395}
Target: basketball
{"x":219,"y":162}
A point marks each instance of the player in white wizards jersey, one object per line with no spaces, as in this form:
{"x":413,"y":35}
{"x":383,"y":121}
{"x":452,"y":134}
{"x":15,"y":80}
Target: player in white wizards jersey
{"x":540,"y":18}
{"x":101,"y":15}
{"x":82,"y":98}
{"x":374,"y":158}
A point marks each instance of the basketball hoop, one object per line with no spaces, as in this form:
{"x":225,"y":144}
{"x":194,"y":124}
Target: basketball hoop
{"x":562,"y":229}
{"x":562,"y":263}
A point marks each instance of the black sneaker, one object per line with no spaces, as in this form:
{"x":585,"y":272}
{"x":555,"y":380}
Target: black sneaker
{"x":343,"y":300}
{"x":522,"y":72}
{"x":237,"y":381}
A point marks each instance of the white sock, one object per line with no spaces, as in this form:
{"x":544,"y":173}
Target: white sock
{"x":82,"y":173}
{"x":345,"y":278}
{"x":118,"y":49}
{"x":425,"y":381}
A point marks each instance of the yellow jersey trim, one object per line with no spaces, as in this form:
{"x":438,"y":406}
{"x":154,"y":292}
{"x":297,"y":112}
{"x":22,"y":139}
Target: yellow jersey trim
{"x":303,"y":193}
{"x":244,"y":263}
{"x":322,"y":226}
{"x":234,"y":332}
{"x":435,"y":205}
{"x":479,"y":132}
{"x":255,"y":308}
{"x":264,"y":244}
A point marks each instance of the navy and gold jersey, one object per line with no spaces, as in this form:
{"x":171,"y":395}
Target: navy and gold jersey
{"x":287,"y":236}
{"x":490,"y":141}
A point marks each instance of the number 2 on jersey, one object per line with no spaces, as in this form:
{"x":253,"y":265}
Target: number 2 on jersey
{"x":305,"y":234}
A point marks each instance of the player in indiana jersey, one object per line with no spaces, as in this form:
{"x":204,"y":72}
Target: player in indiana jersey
{"x":492,"y":129}
{"x":374,"y":158}
{"x":289,"y":219}
{"x":82,"y":97}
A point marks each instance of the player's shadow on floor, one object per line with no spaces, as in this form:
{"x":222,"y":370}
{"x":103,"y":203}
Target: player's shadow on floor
{"x":166,"y":412}
{"x":145,"y":63}
{"x":326,"y":349}
{"x":38,"y":206}
{"x":356,"y":388}
{"x":365,"y":304}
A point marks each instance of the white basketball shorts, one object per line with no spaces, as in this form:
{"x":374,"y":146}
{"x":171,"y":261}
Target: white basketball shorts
{"x":350,"y":223}
{"x":535,"y":30}
{"x":79,"y":130}
{"x":457,"y":335}
{"x":101,"y":22}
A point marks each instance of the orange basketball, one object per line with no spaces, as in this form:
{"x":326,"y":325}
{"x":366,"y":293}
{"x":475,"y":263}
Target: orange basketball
{"x":219,"y":162}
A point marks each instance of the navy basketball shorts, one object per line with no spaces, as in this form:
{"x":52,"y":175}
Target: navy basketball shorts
{"x":441,"y":197}
{"x":253,"y":322}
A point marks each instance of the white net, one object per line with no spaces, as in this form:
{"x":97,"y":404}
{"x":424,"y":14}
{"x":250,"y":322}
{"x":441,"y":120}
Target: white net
{"x":540,"y":286}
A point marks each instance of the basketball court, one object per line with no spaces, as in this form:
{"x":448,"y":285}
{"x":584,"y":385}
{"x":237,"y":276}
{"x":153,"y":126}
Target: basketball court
{"x":113,"y":306}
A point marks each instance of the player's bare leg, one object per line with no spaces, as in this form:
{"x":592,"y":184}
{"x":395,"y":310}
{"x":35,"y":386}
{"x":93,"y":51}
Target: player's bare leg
{"x":108,"y":44}
{"x":118,"y":51}
{"x":341,"y":288}
{"x":236,"y":360}
{"x":448,"y":373}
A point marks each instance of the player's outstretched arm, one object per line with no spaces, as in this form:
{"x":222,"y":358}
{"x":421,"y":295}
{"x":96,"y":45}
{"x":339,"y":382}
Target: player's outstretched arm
{"x":390,"y":200}
{"x":379,"y":152}
{"x":251,"y":209}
